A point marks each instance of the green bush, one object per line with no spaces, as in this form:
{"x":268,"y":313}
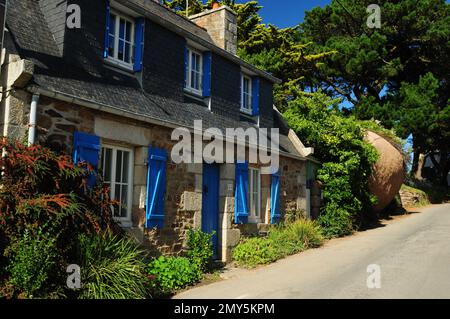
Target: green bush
{"x":256,"y":251}
{"x":307,"y":233}
{"x":200,"y":249}
{"x":337,"y":222}
{"x":172,"y":273}
{"x":282,"y":241}
{"x":112,"y":268}
{"x":33,"y":263}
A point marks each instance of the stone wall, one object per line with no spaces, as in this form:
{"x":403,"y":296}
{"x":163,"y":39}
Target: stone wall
{"x":293,"y":184}
{"x":229,"y":236}
{"x":15,"y":115}
{"x":15,"y":103}
{"x":413,"y":198}
{"x":58,"y":120}
{"x":221,"y":25}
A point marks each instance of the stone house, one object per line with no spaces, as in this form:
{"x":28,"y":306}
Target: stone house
{"x":110,"y":80}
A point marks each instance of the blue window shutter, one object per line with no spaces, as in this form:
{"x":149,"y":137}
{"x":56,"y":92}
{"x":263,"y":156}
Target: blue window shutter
{"x":275,"y":213}
{"x":255,"y":96}
{"x":108,"y":17}
{"x":186,"y":66}
{"x":156,"y":187}
{"x":241,"y":194}
{"x":139,"y":44}
{"x":207,"y":65}
{"x":86,"y":148}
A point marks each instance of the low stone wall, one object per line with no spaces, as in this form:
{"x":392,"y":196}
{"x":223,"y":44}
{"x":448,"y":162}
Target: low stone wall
{"x":410,"y":198}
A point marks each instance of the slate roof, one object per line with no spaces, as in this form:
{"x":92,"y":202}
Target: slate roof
{"x":186,"y":27}
{"x":31,"y":38}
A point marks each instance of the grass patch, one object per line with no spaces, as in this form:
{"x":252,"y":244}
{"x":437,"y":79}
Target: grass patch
{"x":282,"y":241}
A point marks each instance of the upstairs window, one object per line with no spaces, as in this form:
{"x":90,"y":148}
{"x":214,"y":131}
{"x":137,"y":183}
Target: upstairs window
{"x":194,"y":72}
{"x":121,"y":39}
{"x":124,"y":40}
{"x":246,"y":94}
{"x":250,"y":94}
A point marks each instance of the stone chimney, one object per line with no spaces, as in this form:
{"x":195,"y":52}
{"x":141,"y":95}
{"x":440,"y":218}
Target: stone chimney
{"x":221,"y":24}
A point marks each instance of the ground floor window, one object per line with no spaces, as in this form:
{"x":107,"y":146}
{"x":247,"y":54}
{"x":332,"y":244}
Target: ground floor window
{"x":117,"y":168}
{"x":254,"y":196}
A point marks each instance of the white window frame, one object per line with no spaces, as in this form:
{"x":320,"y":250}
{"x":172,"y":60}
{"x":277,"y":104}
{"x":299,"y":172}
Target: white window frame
{"x":245,"y":95}
{"x":124,"y":221}
{"x":254,"y":216}
{"x":115,"y":59}
{"x":188,"y":79}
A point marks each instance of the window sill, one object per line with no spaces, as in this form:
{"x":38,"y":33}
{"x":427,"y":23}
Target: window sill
{"x":119,"y":65}
{"x":248,"y":117}
{"x":247,"y":112}
{"x":125,"y":224}
{"x":255,"y":221}
{"x":195,"y":93}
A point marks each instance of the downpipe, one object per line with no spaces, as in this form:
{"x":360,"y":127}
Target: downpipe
{"x":32,"y":123}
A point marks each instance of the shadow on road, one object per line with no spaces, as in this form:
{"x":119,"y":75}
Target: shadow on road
{"x":385,"y":216}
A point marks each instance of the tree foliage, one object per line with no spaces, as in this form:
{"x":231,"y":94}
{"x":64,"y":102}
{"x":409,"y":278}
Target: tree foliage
{"x":279,"y":52}
{"x":417,"y":112}
{"x":379,"y":71}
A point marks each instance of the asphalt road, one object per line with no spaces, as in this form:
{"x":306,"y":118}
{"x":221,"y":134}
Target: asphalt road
{"x":412,"y":252}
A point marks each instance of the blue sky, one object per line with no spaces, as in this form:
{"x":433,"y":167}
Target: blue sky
{"x":287,"y":13}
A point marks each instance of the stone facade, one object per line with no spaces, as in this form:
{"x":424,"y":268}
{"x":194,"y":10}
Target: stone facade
{"x":15,"y":104}
{"x":57,"y":121}
{"x":293,"y":184}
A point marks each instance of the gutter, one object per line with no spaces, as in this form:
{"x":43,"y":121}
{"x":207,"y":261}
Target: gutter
{"x":98,"y":106}
{"x":37,"y":90}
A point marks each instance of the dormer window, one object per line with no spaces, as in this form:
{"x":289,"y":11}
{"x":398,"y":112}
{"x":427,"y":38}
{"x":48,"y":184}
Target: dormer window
{"x":124,"y":39}
{"x":250,"y":94}
{"x":194,"y":72}
{"x":121,"y":39}
{"x":246,"y":94}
